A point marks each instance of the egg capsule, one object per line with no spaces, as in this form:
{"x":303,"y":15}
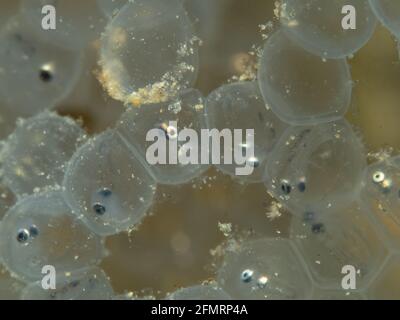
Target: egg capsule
{"x":148,"y":52}
{"x":240,"y":106}
{"x":300,"y":87}
{"x":107,"y":185}
{"x":36,"y":153}
{"x":329,"y":28}
{"x":41,"y":230}
{"x":316,"y":168}
{"x":168,"y":137}
{"x":345,"y":237}
{"x":36,"y":74}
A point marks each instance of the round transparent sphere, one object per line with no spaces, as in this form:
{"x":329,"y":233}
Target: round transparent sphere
{"x":328,"y":28}
{"x":36,"y":74}
{"x":264,"y":269}
{"x":148,"y":52}
{"x":41,"y":230}
{"x":240,"y":106}
{"x":168,"y":137}
{"x":314,"y":169}
{"x":300,"y":87}
{"x":107,"y":185}
{"x":35,"y":155}
{"x":345,"y":237}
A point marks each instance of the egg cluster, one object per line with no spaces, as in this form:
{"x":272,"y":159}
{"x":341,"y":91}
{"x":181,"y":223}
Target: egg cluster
{"x":64,"y":191}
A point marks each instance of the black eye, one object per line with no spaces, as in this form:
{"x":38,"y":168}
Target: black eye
{"x":99,"y":209}
{"x":105,"y":192}
{"x":23,"y":235}
{"x":45,"y":75}
{"x":247,"y":275}
{"x":318,"y":228}
{"x":34,"y":231}
{"x":286,"y":187}
{"x":301,"y":186}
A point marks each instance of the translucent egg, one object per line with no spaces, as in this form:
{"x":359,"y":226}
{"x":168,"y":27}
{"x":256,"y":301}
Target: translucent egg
{"x":346,"y":237}
{"x":75,"y":27}
{"x":326,"y":28}
{"x":264,"y":269}
{"x":91,"y":284}
{"x":240,"y":106}
{"x":107,"y":185}
{"x":149,"y":52}
{"x":41,"y":230}
{"x":158,"y":134}
{"x":35,"y":74}
{"x":111,"y":7}
{"x":314,"y":169}
{"x":387,"y":11}
{"x":302,"y":88}
{"x":199,"y":292}
{"x":381,"y":195}
{"x":36,"y":153}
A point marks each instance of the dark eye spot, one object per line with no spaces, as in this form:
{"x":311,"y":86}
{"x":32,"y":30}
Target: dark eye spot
{"x":286,"y":187}
{"x":318,"y":228}
{"x":99,"y":209}
{"x":247,"y":275}
{"x":34,"y":231}
{"x":45,"y":75}
{"x":23,"y":235}
{"x":105,"y":192}
{"x":301,"y":186}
